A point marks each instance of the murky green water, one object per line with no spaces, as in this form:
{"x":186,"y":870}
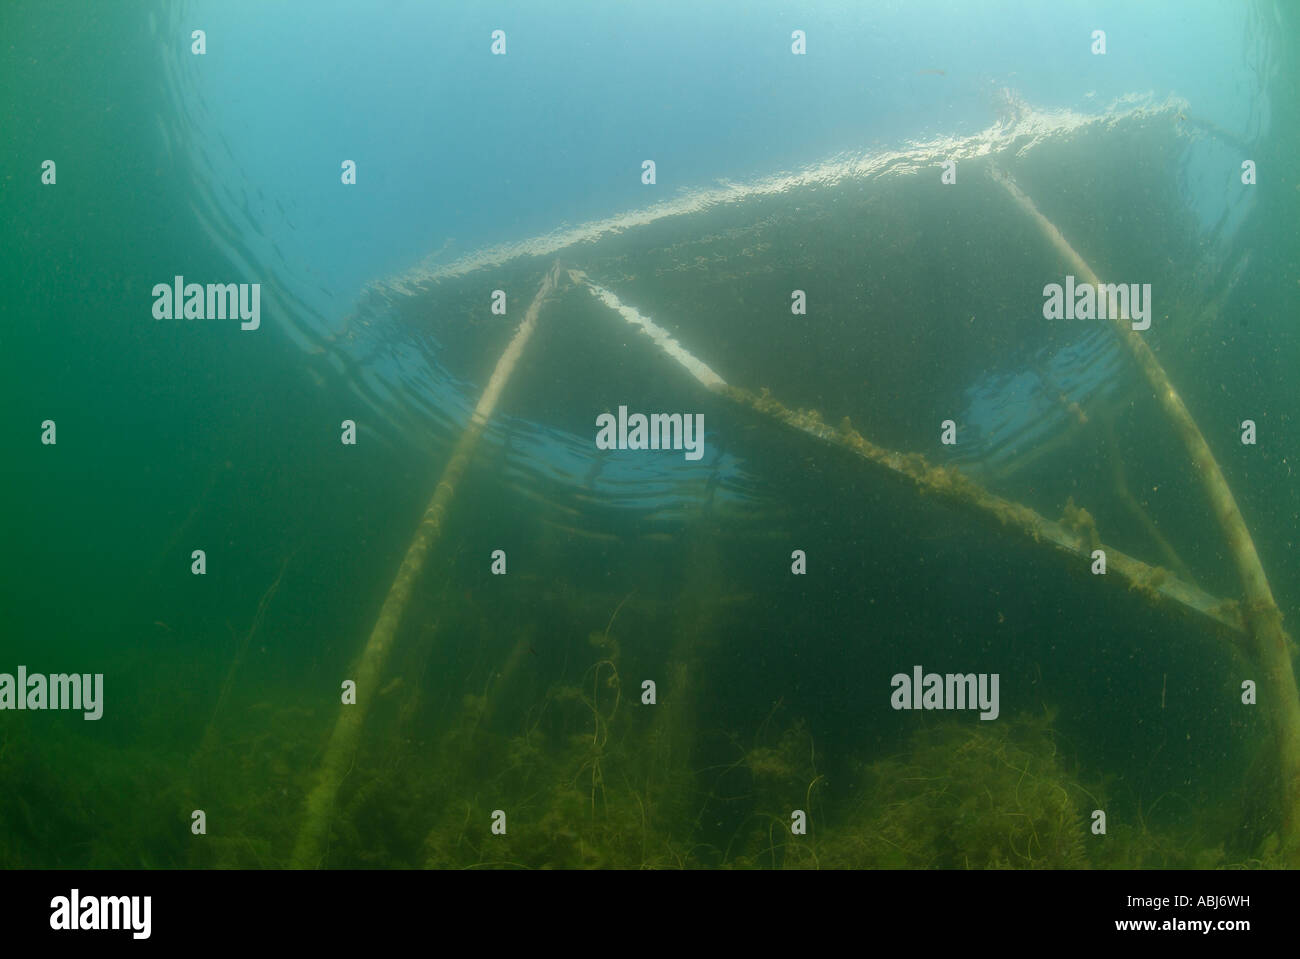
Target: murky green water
{"x":654,"y":680}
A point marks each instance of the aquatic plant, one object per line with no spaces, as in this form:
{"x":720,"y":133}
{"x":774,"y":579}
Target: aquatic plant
{"x":984,"y":795}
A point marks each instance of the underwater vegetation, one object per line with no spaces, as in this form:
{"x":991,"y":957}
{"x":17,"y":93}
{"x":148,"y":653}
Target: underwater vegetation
{"x":552,"y":741}
{"x":969,"y":795}
{"x":587,"y":783}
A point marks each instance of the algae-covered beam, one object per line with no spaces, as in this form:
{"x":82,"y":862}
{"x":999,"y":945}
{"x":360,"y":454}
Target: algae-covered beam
{"x":342,"y":746}
{"x":1071,"y":536}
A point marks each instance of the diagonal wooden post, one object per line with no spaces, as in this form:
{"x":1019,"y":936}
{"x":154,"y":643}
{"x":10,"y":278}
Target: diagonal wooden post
{"x":342,"y":746}
{"x":1269,"y":644}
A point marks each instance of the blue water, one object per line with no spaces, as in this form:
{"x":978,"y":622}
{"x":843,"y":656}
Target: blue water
{"x":456,"y":145}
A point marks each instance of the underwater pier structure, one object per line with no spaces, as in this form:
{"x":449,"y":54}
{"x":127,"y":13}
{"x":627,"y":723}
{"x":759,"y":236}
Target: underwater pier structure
{"x":706,"y":259}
